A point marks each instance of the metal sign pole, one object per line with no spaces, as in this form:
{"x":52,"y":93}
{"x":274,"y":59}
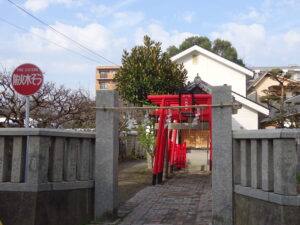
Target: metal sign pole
{"x":27,"y":112}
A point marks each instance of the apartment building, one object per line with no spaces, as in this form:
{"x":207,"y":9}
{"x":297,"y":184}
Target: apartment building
{"x":105,"y":76}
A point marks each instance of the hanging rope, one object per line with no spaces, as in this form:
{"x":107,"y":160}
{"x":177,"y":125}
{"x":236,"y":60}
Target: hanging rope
{"x":163,"y":107}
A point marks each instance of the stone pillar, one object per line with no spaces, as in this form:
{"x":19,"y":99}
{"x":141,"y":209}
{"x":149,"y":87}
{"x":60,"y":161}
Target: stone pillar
{"x":267,"y":165}
{"x":84,"y":156}
{"x":70,"y":159}
{"x":18,"y":160}
{"x":56,"y":161}
{"x":285,"y":164}
{"x":236,"y":161}
{"x":298,"y":155}
{"x":106,"y":155}
{"x":256,"y":164}
{"x":222,"y":177}
{"x":38,"y":159}
{"x":3,"y":160}
{"x":245,"y":163}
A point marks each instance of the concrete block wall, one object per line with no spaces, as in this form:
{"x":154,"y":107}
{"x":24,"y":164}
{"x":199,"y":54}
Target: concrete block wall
{"x":265,"y":167}
{"x":51,"y":170}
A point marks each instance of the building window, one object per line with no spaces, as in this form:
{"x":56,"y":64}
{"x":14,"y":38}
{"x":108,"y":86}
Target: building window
{"x":195,"y":59}
{"x":103,"y":74}
{"x":103,"y":85}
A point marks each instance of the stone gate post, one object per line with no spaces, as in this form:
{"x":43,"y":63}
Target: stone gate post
{"x":106,"y":155}
{"x":222,"y":181}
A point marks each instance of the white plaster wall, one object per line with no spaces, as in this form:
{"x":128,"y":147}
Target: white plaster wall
{"x":246,"y":119}
{"x":213,"y":72}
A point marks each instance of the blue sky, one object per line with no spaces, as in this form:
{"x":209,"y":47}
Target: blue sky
{"x":265,"y":33}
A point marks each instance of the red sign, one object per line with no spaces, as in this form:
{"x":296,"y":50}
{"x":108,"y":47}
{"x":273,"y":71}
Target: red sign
{"x":186,"y":100}
{"x":27,"y":79}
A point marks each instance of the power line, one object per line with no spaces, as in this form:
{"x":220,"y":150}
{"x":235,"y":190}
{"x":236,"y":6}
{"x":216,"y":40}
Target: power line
{"x":70,"y":50}
{"x":62,"y":34}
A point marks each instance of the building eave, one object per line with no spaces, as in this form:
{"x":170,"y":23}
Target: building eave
{"x":253,"y":105}
{"x":257,"y":81}
{"x":213,"y":56}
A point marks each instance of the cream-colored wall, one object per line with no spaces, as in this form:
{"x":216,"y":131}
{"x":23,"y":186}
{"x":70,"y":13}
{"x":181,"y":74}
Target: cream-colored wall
{"x":263,"y":85}
{"x":213,"y":72}
{"x":245,"y":119}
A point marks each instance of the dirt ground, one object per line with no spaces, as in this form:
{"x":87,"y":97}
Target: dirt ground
{"x":133,"y":177}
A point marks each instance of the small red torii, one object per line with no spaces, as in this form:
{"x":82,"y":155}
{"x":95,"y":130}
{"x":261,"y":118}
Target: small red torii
{"x":175,"y":116}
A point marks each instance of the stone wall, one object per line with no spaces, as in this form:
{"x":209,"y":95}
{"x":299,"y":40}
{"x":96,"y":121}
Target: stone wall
{"x":46,"y":177}
{"x":265,"y":168}
{"x":254,"y":211}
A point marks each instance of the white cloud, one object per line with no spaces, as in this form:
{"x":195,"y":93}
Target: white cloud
{"x":101,"y":10}
{"x":280,"y":7}
{"x":281,"y":3}
{"x":127,"y":19}
{"x":83,"y":17}
{"x":158,"y":33}
{"x":292,"y":39}
{"x":93,"y":36}
{"x":254,"y":15}
{"x":259,"y":47}
{"x":38,"y":5}
{"x":189,"y":17}
{"x":245,"y":37}
{"x":118,"y":18}
{"x":124,"y":3}
{"x":269,"y":11}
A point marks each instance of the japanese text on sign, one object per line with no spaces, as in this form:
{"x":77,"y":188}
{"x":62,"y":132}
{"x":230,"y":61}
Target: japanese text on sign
{"x":33,"y":79}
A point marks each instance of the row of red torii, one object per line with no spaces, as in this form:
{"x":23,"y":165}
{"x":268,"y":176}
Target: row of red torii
{"x":166,"y":138}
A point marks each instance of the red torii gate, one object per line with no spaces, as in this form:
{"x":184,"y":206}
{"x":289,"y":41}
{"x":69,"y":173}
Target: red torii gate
{"x":175,"y":116}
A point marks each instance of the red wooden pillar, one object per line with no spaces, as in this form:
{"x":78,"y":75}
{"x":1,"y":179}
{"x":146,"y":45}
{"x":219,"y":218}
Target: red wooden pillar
{"x":158,"y":154}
